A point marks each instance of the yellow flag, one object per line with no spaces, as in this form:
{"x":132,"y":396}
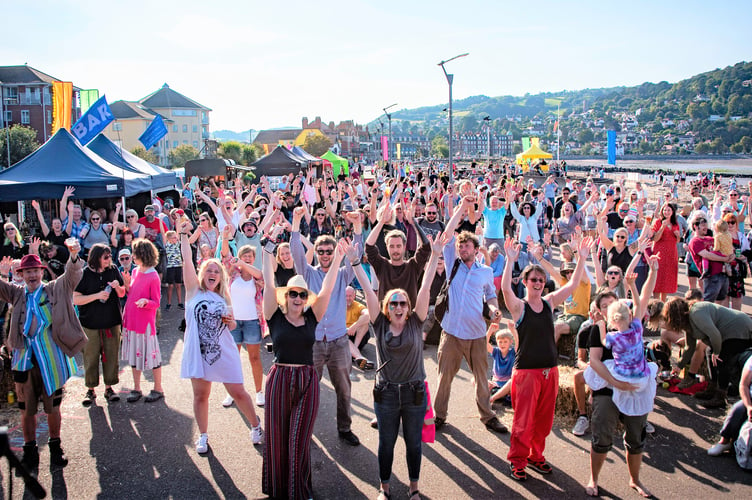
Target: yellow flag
{"x":399,"y":151}
{"x":62,"y":104}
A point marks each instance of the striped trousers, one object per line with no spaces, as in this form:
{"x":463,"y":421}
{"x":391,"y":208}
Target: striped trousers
{"x":292,"y":402}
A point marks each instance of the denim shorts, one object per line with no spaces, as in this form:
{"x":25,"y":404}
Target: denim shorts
{"x":248,"y":331}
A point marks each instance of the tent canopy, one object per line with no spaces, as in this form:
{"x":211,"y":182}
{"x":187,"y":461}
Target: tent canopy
{"x":281,"y":161}
{"x":61,"y":162}
{"x":305,"y":155}
{"x":533,"y":153}
{"x":160,"y":177}
{"x":210,"y":167}
{"x":339,"y":164}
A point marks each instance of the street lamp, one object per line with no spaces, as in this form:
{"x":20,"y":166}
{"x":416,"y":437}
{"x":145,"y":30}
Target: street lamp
{"x":488,"y":138}
{"x":450,"y":80}
{"x":7,"y":129}
{"x":389,"y":117}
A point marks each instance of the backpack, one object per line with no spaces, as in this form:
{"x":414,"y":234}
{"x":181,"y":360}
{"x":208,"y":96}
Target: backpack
{"x":743,"y":446}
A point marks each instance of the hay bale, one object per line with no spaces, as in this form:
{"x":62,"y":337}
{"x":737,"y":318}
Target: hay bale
{"x":566,"y":404}
{"x":567,"y":348}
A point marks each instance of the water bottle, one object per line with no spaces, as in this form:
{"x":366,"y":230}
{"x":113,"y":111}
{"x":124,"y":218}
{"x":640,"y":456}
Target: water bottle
{"x":107,"y":289}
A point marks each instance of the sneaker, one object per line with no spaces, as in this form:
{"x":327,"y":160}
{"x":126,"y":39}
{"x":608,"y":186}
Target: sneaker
{"x":167,"y":307}
{"x":257,"y":434}
{"x":374,"y":423}
{"x":202,"y":445}
{"x":540,"y":466}
{"x":649,"y":428}
{"x":439,"y":423}
{"x":350,"y":438}
{"x":181,"y":306}
{"x":89,"y":398}
{"x":688,"y":381}
{"x":228,"y":401}
{"x":260,"y":399}
{"x":719,"y":449}
{"x":582,"y":426}
{"x":496,"y":426}
{"x":518,"y":474}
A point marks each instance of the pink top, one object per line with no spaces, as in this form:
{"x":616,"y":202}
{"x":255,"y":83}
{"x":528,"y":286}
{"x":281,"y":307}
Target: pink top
{"x":143,"y":286}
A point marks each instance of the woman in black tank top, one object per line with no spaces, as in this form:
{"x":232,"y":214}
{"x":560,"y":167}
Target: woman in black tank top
{"x":535,"y":380}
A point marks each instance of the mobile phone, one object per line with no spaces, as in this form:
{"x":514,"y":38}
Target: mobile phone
{"x":270,"y":246}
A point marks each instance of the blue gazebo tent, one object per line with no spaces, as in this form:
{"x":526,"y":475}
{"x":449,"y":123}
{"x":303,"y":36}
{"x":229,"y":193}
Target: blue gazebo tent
{"x":161,"y":178}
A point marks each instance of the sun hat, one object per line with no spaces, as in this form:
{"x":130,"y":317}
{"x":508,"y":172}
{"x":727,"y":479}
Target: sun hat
{"x":30,"y":261}
{"x":296,"y":281}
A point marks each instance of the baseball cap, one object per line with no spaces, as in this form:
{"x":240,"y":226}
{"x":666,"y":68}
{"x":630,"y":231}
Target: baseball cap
{"x":150,"y":207}
{"x":609,"y":192}
{"x":124,"y":251}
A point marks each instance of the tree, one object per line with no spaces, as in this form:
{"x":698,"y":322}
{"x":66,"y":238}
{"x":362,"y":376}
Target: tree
{"x":703,"y":148}
{"x":231,"y":150}
{"x":23,"y":142}
{"x":317,"y":145}
{"x":182,"y":154}
{"x":517,"y":148}
{"x":585,"y":135}
{"x":251,"y":153}
{"x":142,"y":153}
{"x":439,"y":147}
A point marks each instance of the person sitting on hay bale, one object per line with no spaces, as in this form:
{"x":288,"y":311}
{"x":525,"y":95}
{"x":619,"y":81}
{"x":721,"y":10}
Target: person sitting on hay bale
{"x":503,"y":360}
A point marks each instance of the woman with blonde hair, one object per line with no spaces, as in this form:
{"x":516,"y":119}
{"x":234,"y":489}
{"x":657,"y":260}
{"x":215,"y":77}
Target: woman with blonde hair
{"x":13,"y":244}
{"x":209,"y":353}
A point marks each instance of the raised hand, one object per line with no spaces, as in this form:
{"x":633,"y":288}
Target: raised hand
{"x":351,"y":251}
{"x":68,"y":192}
{"x":653,"y":260}
{"x":583,"y":249}
{"x":630,"y":279}
{"x":512,"y":249}
{"x":35,"y":205}
{"x":5,"y":264}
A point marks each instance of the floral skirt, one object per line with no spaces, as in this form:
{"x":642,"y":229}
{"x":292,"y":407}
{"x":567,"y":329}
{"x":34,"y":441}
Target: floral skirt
{"x":141,"y":350}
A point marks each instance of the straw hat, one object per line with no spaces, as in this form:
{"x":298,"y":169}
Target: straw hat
{"x":296,"y":281}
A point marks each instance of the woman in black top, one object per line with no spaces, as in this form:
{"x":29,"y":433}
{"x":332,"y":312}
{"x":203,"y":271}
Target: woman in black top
{"x":56,"y":234}
{"x":292,"y":387}
{"x":284,"y":267}
{"x":535,"y":380}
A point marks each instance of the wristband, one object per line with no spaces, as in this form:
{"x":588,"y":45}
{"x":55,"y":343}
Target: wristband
{"x":356,"y":263}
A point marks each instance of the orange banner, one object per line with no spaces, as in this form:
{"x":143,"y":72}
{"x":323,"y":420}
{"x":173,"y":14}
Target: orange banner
{"x":62,"y":105}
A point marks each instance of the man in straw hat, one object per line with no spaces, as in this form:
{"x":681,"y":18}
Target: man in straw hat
{"x":332,"y":347}
{"x":44,"y":334}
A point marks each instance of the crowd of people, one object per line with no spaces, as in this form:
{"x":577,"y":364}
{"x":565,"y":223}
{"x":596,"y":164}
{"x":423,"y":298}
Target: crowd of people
{"x":321,"y":265}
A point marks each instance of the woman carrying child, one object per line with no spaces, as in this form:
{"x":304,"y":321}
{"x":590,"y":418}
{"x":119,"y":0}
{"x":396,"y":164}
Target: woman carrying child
{"x":608,"y":402}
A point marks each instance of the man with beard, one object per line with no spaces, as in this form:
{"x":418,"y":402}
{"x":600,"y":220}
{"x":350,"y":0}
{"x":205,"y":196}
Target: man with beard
{"x":464,"y":328}
{"x":396,"y":272}
{"x":431,"y":224}
{"x":332,"y":346}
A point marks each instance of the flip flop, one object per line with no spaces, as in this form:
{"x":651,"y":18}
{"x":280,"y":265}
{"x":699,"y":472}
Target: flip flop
{"x":592,"y":491}
{"x":134,"y":396}
{"x":153,"y":396}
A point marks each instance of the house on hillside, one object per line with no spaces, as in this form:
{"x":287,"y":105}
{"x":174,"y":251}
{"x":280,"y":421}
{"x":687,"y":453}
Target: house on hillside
{"x":27,"y":100}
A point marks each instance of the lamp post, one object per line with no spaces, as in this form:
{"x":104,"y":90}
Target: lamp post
{"x":389,"y":117}
{"x":450,"y":80}
{"x":488,"y":138}
{"x":7,"y":129}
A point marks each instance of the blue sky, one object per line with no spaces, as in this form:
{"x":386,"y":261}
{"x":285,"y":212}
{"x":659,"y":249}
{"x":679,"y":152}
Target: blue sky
{"x":267,"y":64}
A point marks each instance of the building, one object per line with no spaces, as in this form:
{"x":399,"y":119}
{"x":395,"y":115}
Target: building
{"x":346,"y":138}
{"x":187,"y":122}
{"x":27,"y":100}
{"x":475,"y":145}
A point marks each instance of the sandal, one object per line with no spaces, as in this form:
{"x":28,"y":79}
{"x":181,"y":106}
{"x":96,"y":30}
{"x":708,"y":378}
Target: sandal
{"x":153,"y":396}
{"x":111,"y":396}
{"x":134,"y":396}
{"x":518,"y":474}
{"x":412,"y":494}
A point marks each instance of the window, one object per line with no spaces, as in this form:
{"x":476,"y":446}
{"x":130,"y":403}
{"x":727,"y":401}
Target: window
{"x":185,"y":142}
{"x":46,"y":94}
{"x":195,"y":144}
{"x":25,"y":116}
{"x":175,"y":144}
{"x":10,"y":94}
{"x":49,"y":117}
{"x":174,"y":128}
{"x":8,"y":116}
{"x":183,"y":112}
{"x":117,"y":126}
{"x":195,"y":129}
{"x":185,"y":128}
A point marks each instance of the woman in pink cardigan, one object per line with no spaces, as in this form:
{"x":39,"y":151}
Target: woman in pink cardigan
{"x":140,"y":343}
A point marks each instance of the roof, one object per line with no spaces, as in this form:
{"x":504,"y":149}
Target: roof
{"x":25,"y":74}
{"x":165,"y":97}
{"x":273,"y":136}
{"x":123,"y":110}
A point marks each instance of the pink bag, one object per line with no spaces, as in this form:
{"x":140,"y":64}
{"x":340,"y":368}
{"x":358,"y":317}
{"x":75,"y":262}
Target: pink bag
{"x":429,"y":429}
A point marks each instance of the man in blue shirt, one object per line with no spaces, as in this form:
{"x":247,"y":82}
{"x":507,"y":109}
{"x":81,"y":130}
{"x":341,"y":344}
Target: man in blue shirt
{"x":464,"y":329}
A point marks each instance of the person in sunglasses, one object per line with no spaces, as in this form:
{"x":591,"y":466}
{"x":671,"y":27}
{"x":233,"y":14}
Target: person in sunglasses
{"x":400,"y":393}
{"x":535,"y":380}
{"x":293,"y":313}
{"x":332,"y":346}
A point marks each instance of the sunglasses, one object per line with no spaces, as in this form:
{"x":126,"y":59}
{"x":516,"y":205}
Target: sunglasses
{"x":123,"y":259}
{"x":293,"y":294}
{"x":734,"y":194}
{"x":731,"y":223}
{"x":324,"y":252}
{"x":401,"y":303}
{"x":432,"y":213}
{"x":106,"y":255}
{"x":97,"y":219}
{"x":613,"y":273}
{"x":629,"y":222}
{"x":536,"y":280}
{"x":130,"y":216}
{"x":620,"y":237}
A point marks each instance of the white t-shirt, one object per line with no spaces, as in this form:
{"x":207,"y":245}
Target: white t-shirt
{"x":243,"y":295}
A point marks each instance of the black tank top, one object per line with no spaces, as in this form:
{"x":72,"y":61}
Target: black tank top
{"x":619,"y":259}
{"x":537,"y":347}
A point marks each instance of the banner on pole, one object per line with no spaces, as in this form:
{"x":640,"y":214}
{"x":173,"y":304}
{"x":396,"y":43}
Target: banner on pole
{"x":88,"y":98}
{"x":62,"y":105}
{"x":399,"y":151}
{"x":93,"y":121}
{"x":525,"y":143}
{"x":384,"y":148}
{"x":153,"y":133}
{"x":611,"y":135}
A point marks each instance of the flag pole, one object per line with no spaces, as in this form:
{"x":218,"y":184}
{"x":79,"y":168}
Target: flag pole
{"x":122,"y":198}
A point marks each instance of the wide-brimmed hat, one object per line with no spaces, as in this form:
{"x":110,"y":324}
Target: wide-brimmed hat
{"x":296,"y":281}
{"x":568,"y":266}
{"x":30,"y":261}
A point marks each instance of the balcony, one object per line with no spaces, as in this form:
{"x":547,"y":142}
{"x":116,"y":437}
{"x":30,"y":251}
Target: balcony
{"x":27,"y":100}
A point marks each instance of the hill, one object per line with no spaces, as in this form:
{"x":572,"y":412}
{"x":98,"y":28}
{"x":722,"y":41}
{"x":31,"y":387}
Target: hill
{"x":229,"y":135}
{"x":707,"y":113}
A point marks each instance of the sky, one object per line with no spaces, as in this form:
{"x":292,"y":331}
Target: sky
{"x":267,"y":64}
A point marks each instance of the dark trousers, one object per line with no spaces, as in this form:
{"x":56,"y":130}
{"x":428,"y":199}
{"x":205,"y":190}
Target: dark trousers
{"x":398,"y":405}
{"x":736,"y":417}
{"x":729,"y":348}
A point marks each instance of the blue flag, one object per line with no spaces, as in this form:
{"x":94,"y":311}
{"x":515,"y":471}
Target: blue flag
{"x":153,"y":133}
{"x":611,"y":146}
{"x":93,"y":121}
